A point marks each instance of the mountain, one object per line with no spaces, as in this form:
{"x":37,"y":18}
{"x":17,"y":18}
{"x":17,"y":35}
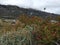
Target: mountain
{"x":13,"y":12}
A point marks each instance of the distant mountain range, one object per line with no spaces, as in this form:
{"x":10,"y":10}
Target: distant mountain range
{"x":13,"y":12}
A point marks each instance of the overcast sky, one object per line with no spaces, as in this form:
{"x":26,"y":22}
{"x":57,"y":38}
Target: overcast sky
{"x":52,"y":6}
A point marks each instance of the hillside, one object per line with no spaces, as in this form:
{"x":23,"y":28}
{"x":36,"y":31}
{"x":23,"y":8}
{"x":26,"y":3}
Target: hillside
{"x":29,"y":28}
{"x":12,"y":11}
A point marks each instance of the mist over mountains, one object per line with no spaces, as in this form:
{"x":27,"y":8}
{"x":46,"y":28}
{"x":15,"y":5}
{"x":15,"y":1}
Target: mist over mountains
{"x":13,"y":11}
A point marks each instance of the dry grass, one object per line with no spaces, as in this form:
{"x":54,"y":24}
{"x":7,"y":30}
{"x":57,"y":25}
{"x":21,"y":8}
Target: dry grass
{"x":29,"y":31}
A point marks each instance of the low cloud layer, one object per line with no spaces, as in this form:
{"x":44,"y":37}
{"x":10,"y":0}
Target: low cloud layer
{"x":52,"y":6}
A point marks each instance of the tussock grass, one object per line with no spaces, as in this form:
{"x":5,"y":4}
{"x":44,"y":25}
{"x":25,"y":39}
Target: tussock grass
{"x":29,"y":31}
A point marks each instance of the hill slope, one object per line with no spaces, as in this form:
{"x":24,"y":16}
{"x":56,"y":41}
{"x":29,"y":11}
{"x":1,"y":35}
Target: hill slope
{"x":11,"y":11}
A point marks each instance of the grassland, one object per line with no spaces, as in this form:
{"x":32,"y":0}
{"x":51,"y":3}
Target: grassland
{"x":30,"y":31}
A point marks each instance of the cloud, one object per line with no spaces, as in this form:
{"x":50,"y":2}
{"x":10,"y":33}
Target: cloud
{"x":52,"y":6}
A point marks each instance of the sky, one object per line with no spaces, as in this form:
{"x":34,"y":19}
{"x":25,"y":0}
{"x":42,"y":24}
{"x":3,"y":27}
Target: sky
{"x":52,"y":6}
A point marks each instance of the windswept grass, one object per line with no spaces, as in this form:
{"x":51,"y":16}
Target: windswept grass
{"x":30,"y":31}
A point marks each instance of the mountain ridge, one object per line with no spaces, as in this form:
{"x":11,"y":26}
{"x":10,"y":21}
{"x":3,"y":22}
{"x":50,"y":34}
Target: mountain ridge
{"x":13,"y":11}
